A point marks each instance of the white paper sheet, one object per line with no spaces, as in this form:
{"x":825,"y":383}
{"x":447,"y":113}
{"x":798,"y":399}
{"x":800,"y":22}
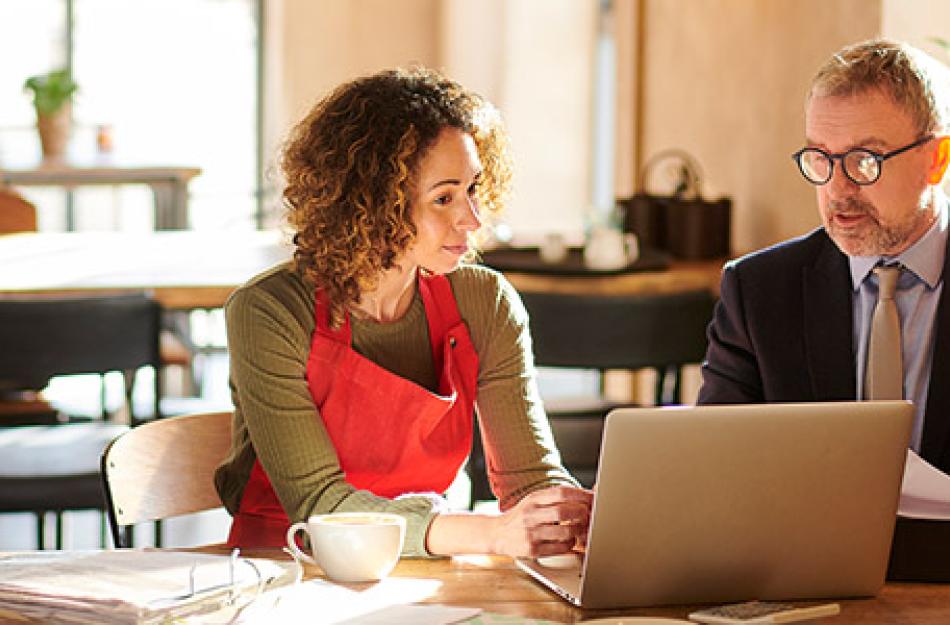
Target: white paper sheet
{"x":925,"y":491}
{"x":319,"y":602}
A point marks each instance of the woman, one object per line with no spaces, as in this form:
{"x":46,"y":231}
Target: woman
{"x":356,"y":368}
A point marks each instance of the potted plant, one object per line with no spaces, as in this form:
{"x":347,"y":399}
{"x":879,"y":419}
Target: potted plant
{"x":52,"y":97}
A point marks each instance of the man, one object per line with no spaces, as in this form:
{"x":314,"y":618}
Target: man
{"x":794,"y":320}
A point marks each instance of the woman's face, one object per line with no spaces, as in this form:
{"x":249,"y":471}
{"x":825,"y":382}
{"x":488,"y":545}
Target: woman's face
{"x":445,"y":205}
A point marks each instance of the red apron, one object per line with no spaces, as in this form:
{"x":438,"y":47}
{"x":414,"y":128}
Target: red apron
{"x":391,"y":435}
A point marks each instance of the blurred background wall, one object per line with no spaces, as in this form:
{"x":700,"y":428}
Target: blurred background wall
{"x":722,"y":79}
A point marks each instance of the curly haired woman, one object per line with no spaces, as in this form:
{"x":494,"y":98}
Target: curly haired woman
{"x":356,"y":368}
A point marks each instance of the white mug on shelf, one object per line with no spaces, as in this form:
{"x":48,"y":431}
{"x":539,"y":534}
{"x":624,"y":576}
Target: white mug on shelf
{"x":351,"y":546}
{"x":553,"y":248}
{"x":609,"y":249}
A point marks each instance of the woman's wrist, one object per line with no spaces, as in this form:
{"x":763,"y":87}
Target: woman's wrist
{"x":456,"y":533}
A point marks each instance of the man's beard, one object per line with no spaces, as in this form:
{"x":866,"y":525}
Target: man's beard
{"x":872,"y":238}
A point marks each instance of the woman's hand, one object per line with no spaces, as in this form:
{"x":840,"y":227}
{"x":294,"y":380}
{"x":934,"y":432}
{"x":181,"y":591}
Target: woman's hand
{"x":546,"y":522}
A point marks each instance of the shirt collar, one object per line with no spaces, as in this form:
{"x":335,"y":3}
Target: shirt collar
{"x":924,"y":258}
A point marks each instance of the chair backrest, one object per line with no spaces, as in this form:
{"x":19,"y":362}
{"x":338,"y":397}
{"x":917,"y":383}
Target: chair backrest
{"x":41,"y":337}
{"x":16,"y":214}
{"x":659,"y":331}
{"x":163,"y":469}
{"x":46,"y":336}
{"x":618,"y":331}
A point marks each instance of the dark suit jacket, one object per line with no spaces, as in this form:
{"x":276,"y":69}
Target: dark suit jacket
{"x":782,"y":331}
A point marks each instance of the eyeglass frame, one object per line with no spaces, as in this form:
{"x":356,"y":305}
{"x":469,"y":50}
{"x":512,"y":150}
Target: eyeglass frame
{"x":879,"y":158}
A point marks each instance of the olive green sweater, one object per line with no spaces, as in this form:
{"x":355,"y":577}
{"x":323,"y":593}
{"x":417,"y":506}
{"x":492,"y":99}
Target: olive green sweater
{"x":270,"y":321}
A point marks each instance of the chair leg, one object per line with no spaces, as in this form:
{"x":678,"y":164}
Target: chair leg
{"x":158,"y":390}
{"x":668,"y":385}
{"x":59,"y":529}
{"x":128,"y":377}
{"x":40,"y":529}
{"x":676,"y":372}
{"x":102,"y":396}
{"x":660,"y":386}
{"x":120,"y":537}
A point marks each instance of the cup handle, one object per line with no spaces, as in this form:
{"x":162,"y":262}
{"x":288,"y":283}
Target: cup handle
{"x":292,"y":543}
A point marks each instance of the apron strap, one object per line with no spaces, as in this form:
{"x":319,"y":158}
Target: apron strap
{"x":442,"y":314}
{"x":321,"y":306}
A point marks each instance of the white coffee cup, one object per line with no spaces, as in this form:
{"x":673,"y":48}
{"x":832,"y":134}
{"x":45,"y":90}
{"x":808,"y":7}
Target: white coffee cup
{"x":608,"y":249}
{"x":352,"y":546}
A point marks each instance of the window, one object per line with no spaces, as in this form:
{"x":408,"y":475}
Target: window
{"x":176,"y":81}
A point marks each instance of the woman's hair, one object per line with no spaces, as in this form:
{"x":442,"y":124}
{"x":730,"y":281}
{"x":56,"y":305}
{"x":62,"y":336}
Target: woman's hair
{"x":351,"y":165}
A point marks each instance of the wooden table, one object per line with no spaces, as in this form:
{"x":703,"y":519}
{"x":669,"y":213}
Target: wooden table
{"x":169,"y":185}
{"x":496,"y":585}
{"x":681,"y":276}
{"x":182,"y":270}
{"x":193,"y":269}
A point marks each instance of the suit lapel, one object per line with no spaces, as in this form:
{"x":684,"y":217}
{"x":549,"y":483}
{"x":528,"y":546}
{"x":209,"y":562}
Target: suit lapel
{"x":937,"y":416}
{"x":826,"y":290}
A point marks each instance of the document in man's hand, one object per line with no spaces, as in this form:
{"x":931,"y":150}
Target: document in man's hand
{"x":921,"y":548}
{"x":925,"y":491}
{"x":127,"y":587}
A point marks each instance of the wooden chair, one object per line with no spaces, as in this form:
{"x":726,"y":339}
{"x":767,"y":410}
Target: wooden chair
{"x":658,"y":331}
{"x":54,"y":468}
{"x":16,"y":213}
{"x":163,"y":469}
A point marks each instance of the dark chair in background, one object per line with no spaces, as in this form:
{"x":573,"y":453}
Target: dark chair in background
{"x":662,"y":332}
{"x":19,"y":215}
{"x":46,"y":336}
{"x":55,"y":468}
{"x":657,"y":331}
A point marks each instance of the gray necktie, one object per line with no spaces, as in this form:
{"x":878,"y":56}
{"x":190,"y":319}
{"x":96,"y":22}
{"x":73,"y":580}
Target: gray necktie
{"x":885,"y":371}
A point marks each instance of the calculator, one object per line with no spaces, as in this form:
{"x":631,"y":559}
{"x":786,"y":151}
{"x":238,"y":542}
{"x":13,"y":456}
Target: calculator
{"x":762,"y":612}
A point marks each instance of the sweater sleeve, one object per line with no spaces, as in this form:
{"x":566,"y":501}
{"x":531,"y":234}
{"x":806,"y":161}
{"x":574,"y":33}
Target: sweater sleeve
{"x":278,"y":423}
{"x":520,"y":453}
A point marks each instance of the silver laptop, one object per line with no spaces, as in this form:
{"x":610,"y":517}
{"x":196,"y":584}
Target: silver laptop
{"x":727,"y":503}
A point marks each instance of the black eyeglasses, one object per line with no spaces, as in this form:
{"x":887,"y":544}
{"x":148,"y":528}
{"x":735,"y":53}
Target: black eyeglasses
{"x":861,"y":166}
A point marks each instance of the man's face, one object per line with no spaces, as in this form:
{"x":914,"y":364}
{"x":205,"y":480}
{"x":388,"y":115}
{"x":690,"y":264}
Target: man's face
{"x":888,"y":216}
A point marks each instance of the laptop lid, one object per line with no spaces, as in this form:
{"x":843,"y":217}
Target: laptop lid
{"x":712,"y":504}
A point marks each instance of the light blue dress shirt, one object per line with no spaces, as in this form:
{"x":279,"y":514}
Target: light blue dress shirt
{"x":918,"y":293}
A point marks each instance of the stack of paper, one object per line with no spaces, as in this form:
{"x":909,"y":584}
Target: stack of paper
{"x":127,"y":587}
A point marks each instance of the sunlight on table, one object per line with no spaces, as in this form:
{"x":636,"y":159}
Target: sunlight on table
{"x":320,"y":601}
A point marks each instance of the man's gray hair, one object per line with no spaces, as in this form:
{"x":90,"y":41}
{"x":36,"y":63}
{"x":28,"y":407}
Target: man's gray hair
{"x":917,"y":82}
